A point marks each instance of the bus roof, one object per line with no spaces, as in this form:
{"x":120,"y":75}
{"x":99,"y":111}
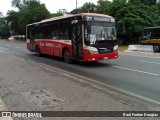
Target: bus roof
{"x":71,"y":15}
{"x":152,"y":27}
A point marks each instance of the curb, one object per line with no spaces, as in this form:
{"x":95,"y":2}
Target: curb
{"x":131,"y":94}
{"x":144,"y":48}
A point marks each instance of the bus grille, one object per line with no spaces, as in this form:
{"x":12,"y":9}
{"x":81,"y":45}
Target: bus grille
{"x":104,"y":50}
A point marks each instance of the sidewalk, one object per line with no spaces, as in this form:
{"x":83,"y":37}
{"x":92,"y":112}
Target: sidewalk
{"x":25,"y":86}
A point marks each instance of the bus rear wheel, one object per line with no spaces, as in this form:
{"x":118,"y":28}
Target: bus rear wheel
{"x":156,"y":48}
{"x":67,"y":56}
{"x":37,"y":50}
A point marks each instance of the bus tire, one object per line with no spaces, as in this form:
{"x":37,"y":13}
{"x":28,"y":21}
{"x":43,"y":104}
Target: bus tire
{"x":37,"y":50}
{"x":67,"y":56}
{"x":156,"y":48}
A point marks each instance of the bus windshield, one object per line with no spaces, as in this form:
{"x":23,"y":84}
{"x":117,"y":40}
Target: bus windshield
{"x":99,"y":31}
{"x":146,"y":34}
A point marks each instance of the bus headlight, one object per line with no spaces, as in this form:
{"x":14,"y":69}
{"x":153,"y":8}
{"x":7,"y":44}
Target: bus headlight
{"x":91,"y":50}
{"x":115,"y":48}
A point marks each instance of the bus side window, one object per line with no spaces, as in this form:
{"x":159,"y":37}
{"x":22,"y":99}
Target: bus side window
{"x":146,"y":34}
{"x":55,"y":31}
{"x":45,"y":31}
{"x":64,"y":30}
{"x":31,"y":33}
{"x":156,"y":34}
{"x":149,"y":34}
{"x":28,"y":33}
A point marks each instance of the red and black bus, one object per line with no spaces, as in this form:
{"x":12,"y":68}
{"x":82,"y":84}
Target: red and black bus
{"x":83,"y":37}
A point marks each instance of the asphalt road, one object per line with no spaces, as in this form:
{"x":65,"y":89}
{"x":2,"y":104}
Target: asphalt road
{"x":135,"y":72}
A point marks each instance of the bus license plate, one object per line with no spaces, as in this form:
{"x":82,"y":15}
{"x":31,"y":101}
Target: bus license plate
{"x":105,"y":58}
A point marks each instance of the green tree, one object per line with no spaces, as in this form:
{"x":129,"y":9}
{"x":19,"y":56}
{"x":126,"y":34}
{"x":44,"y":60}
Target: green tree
{"x":134,"y":2}
{"x":56,"y":14}
{"x":116,"y":6}
{"x":74,"y":11}
{"x":18,"y":3}
{"x":149,"y":2}
{"x":158,"y":12}
{"x":103,"y":7}
{"x":13,"y":17}
{"x":60,"y":12}
{"x":32,"y":11}
{"x":0,"y":14}
{"x":88,"y":7}
{"x":4,"y":29}
{"x":133,"y":19}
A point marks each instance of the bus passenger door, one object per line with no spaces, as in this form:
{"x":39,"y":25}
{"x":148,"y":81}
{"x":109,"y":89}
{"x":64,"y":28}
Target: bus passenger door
{"x":32,"y":39}
{"x":77,"y":41}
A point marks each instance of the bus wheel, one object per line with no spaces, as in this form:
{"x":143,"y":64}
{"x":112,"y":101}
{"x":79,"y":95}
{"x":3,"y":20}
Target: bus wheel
{"x":156,"y":48}
{"x":37,"y":50}
{"x":67,"y":56}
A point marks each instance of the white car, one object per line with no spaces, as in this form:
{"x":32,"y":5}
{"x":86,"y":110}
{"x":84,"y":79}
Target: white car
{"x":11,"y":38}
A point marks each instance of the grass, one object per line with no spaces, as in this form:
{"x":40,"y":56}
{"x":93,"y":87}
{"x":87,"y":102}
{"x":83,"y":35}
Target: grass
{"x":122,"y":47}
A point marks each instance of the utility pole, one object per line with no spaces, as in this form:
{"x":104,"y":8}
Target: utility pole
{"x":76,"y":4}
{"x":76,"y":7}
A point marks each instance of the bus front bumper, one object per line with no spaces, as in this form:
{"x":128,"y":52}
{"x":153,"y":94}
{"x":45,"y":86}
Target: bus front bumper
{"x":99,"y":57}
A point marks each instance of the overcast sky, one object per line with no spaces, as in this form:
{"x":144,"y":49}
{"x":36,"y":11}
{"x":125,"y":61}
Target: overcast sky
{"x":51,"y":5}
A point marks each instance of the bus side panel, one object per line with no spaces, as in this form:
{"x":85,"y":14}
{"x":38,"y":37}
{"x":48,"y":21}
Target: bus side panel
{"x":59,"y":46}
{"x":28,"y":44}
{"x":41,"y":45}
{"x":53,"y":47}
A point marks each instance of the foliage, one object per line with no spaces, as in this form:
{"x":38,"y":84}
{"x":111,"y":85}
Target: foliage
{"x":149,"y":2}
{"x":131,"y":15}
{"x":75,"y":11}
{"x":103,"y":7}
{"x":4,"y":29}
{"x":56,"y":14}
{"x":88,"y":7}
{"x":30,"y":12}
{"x":60,"y":12}
{"x":19,"y":3}
{"x":116,"y":6}
{"x":134,"y":19}
{"x":13,"y":17}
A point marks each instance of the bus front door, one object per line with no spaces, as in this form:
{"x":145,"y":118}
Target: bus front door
{"x":32,"y":39}
{"x":77,"y":41}
{"x":32,"y":44}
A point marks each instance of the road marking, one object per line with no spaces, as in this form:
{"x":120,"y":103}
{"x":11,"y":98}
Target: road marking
{"x":18,"y":47}
{"x":149,"y":62}
{"x":8,"y":45}
{"x":1,"y":51}
{"x":2,"y":48}
{"x":136,"y":70}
